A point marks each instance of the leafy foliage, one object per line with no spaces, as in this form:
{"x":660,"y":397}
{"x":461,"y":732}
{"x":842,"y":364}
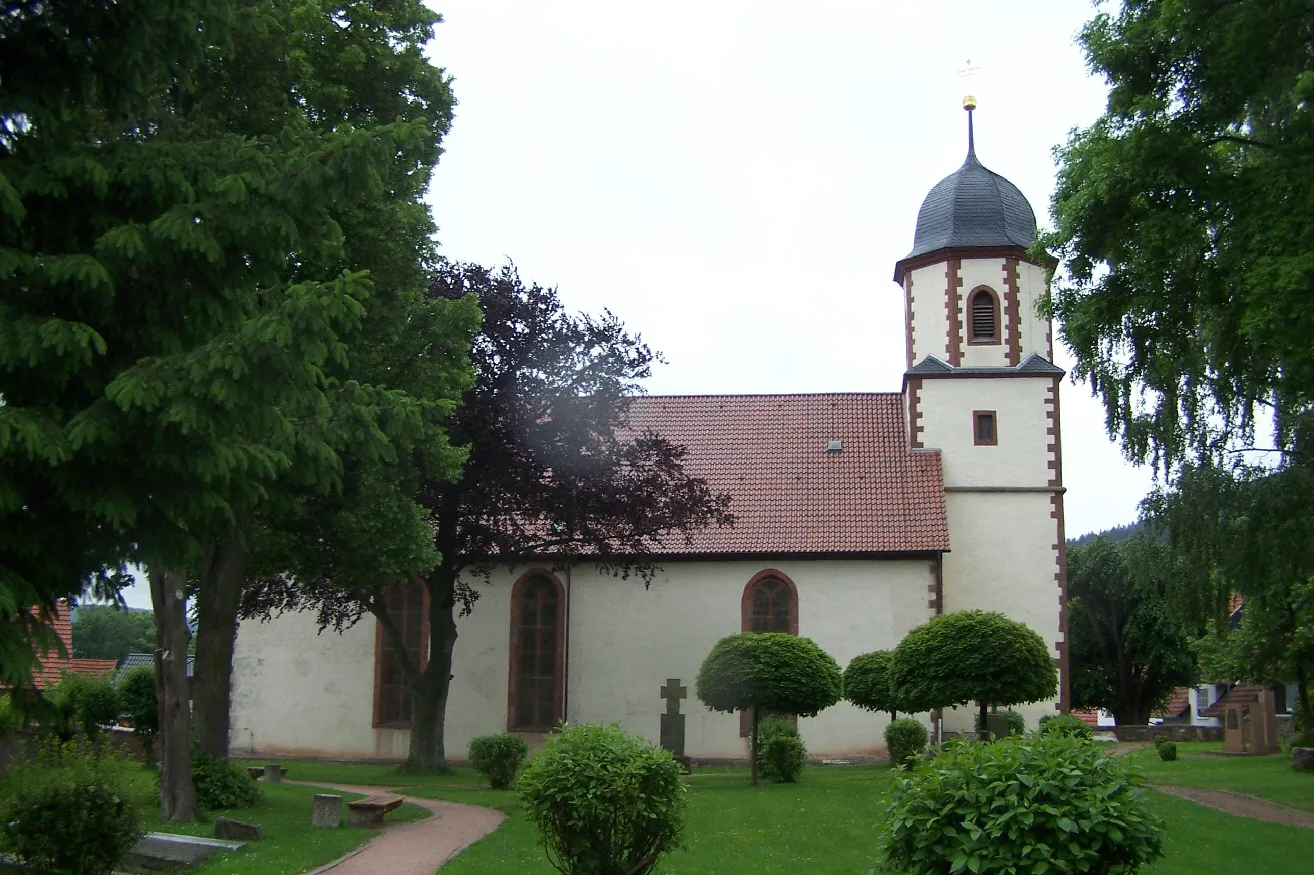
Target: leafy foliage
{"x":1023,"y":804}
{"x":221,"y":784}
{"x":108,"y":632}
{"x":1017,"y":724}
{"x":138,"y":703}
{"x":1127,"y":652}
{"x":1167,"y":751}
{"x":783,"y":758}
{"x":1065,"y":724}
{"x":603,"y":801}
{"x":554,"y":468}
{"x":1180,"y":218}
{"x":905,"y":740}
{"x":68,"y":811}
{"x":11,"y":717}
{"x":774,"y":671}
{"x":969,"y":656}
{"x":82,"y":704}
{"x":867,"y":682}
{"x":497,"y":757}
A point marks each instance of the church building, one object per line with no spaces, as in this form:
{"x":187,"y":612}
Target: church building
{"x":858,"y":517}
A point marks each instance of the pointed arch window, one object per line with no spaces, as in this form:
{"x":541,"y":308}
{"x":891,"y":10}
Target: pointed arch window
{"x":407,"y":606}
{"x":983,"y":316}
{"x":538,"y":622}
{"x":770,"y":604}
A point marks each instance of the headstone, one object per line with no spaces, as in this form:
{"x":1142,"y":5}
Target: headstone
{"x":273,"y":773}
{"x":672,"y":729}
{"x":157,"y":850}
{"x":326,"y":811}
{"x":1302,"y":759}
{"x":231,"y":828}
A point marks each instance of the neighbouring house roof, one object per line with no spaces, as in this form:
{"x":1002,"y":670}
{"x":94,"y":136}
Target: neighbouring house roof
{"x":1089,"y":716}
{"x":1179,"y":702}
{"x":133,"y":660}
{"x":1242,"y":694}
{"x":790,"y":494}
{"x":51,"y":666}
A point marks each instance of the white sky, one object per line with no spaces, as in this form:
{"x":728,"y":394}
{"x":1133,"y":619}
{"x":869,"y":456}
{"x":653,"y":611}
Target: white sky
{"x":736,"y":179}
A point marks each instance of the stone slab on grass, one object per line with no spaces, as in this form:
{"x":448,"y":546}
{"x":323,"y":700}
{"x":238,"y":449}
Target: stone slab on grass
{"x":160,"y":851}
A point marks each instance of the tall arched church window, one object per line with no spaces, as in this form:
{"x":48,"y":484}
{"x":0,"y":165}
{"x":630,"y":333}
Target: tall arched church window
{"x":983,"y":316}
{"x":538,"y":613}
{"x":770,"y":604}
{"x":408,"y":609}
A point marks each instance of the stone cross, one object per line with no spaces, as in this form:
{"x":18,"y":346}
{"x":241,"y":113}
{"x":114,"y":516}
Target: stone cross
{"x":672,"y":735}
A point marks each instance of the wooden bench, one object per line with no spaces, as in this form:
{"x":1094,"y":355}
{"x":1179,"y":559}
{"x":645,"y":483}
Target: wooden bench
{"x":370,"y":810}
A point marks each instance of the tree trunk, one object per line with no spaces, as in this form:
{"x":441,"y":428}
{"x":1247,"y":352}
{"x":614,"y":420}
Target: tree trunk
{"x":430,"y":688}
{"x":169,"y":598}
{"x":894,"y":715}
{"x":216,"y":632}
{"x":752,"y":748}
{"x":983,"y":732}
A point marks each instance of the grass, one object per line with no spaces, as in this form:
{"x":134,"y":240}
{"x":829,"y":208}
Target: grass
{"x":289,"y":844}
{"x":1198,"y":765}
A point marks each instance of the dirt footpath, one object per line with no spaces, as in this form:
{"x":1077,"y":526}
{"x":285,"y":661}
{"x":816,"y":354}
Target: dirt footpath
{"x":1242,"y":805}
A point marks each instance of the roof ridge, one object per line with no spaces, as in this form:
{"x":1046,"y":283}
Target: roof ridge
{"x":773,"y":395}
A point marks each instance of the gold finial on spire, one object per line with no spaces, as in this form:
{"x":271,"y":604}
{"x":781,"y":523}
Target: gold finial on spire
{"x":969,"y":103}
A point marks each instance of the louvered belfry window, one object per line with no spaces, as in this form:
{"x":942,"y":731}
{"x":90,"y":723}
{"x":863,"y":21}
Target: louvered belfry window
{"x":985,"y":318}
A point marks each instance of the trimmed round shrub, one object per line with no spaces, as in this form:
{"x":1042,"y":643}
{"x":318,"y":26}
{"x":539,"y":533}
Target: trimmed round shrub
{"x":1160,"y":741}
{"x":603,"y":801}
{"x":497,"y":757}
{"x":68,"y":811}
{"x":906,"y":741}
{"x":867,"y":682}
{"x":1065,"y":724}
{"x":1015,"y":804}
{"x":767,"y":729}
{"x":1017,"y":724}
{"x":1168,"y":751}
{"x":783,"y":754}
{"x":971,"y":656}
{"x":221,"y":785}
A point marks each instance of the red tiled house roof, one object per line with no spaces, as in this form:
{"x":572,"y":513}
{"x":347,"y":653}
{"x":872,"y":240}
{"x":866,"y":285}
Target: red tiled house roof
{"x":789,"y":493}
{"x":1179,"y":702}
{"x":1238,"y":695}
{"x":52,"y":665}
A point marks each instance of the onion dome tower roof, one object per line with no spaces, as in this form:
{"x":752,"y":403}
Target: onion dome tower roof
{"x":973,"y":207}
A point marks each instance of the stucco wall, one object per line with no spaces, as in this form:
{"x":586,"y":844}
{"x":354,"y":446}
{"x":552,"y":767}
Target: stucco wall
{"x":296,"y":693}
{"x":1021,"y":457}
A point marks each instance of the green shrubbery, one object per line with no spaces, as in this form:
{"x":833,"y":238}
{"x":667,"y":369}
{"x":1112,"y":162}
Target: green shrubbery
{"x":11,"y":718}
{"x":603,"y":801}
{"x":1017,"y":724}
{"x":867,"y":682}
{"x":906,"y":741}
{"x":1168,"y":751}
{"x":1040,"y":803}
{"x":781,"y":752}
{"x":1065,"y":724}
{"x":82,"y":704}
{"x":68,"y":811}
{"x":1160,"y":741}
{"x":221,"y":784}
{"x":137,"y":702}
{"x":497,"y":757}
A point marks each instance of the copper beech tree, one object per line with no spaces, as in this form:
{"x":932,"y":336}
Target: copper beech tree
{"x":554,"y":471}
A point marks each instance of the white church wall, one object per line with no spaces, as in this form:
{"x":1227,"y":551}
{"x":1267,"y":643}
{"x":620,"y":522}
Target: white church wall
{"x":1036,"y":332}
{"x":930,"y":319}
{"x":299,"y":694}
{"x":1021,"y":457}
{"x":1003,"y":559}
{"x":976,"y":272}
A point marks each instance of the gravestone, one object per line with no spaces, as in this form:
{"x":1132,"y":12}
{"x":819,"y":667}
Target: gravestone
{"x":164,"y":851}
{"x":672,"y":728}
{"x":273,"y":773}
{"x":231,"y":828}
{"x":326,"y":811}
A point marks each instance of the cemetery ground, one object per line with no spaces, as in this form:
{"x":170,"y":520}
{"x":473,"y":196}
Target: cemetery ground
{"x":829,"y":821}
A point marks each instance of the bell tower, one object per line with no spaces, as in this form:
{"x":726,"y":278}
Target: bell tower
{"x":981,"y":389}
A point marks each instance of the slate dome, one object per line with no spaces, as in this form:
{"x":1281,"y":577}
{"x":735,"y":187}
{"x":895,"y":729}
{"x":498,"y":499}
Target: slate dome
{"x":973,"y":206}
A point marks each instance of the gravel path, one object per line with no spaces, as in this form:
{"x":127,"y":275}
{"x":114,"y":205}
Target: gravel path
{"x":1241,"y":804}
{"x":416,"y":848}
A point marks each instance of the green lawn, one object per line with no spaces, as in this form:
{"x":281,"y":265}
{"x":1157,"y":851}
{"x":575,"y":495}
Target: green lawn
{"x":288,"y":845}
{"x":829,"y":822}
{"x":1197,"y":765}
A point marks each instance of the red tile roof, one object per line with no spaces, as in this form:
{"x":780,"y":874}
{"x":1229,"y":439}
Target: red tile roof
{"x":789,"y":494}
{"x":1238,"y":695}
{"x":1179,"y":701}
{"x":1089,"y":716}
{"x":52,"y":665}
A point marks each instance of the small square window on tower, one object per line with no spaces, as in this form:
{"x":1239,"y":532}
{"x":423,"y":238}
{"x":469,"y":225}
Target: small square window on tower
{"x":984,"y":433}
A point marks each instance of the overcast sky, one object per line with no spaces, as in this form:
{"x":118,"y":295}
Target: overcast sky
{"x":736,"y":179}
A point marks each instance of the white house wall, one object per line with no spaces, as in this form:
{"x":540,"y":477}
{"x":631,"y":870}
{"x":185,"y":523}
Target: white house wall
{"x":298,"y":694}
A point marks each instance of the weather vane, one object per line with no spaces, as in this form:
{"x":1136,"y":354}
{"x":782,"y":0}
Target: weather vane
{"x":969,"y":102}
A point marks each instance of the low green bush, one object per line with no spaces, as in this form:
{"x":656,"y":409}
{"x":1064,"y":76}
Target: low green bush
{"x":1017,"y":724}
{"x":1168,"y":751}
{"x":767,"y":729}
{"x":603,"y":801}
{"x":68,"y":811}
{"x":783,"y":758}
{"x":1160,"y":741}
{"x":1064,"y":724}
{"x":497,"y":757}
{"x":221,"y":785}
{"x":1023,"y":804}
{"x":1301,"y":739}
{"x":137,"y":702}
{"x":906,"y":741}
{"x":11,"y":718}
{"x":82,"y":704}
